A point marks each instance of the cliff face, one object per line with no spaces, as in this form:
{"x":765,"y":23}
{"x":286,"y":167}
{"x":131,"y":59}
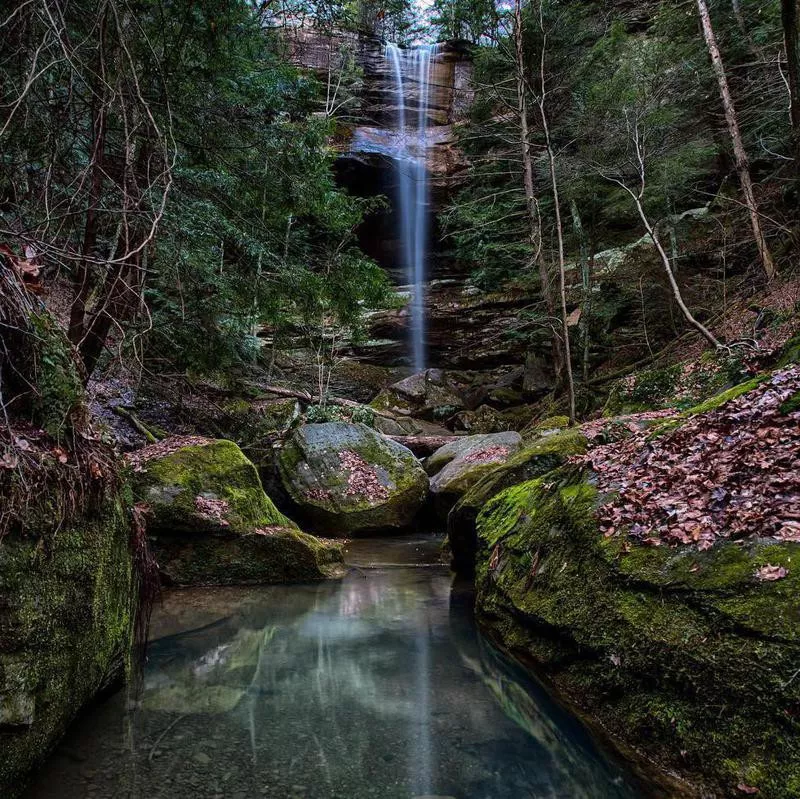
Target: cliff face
{"x":458,"y":315}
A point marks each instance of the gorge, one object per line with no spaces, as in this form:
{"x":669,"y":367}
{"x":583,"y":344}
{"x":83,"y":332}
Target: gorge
{"x":302,"y":492}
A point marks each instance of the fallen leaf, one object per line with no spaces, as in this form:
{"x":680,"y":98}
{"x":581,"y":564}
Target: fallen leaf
{"x":771,"y":573}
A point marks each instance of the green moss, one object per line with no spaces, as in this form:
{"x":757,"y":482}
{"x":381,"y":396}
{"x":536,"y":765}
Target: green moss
{"x":790,"y":352}
{"x":791,"y":405}
{"x":537,"y":458}
{"x":59,"y":386}
{"x":217,"y":470}
{"x":65,"y":633}
{"x":720,"y":399}
{"x":682,"y":654}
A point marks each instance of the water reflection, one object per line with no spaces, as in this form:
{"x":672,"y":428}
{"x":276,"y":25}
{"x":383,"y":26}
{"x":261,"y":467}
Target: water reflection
{"x":377,"y":686}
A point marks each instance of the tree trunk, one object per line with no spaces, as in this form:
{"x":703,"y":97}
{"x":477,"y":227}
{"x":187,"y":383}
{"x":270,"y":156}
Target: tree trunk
{"x":532,"y":207}
{"x":676,"y":291}
{"x":586,"y":288}
{"x":551,"y":159}
{"x":531,"y":204}
{"x":742,"y":163}
{"x":82,"y":279}
{"x":790,"y":12}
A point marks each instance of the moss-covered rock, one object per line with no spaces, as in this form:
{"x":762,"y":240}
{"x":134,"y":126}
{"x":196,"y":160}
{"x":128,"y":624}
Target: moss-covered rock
{"x":66,"y":607}
{"x":460,"y":464}
{"x":684,"y":656}
{"x":212,"y":523}
{"x":537,"y":458}
{"x":206,"y":488}
{"x":273,"y":555}
{"x":347,"y":478}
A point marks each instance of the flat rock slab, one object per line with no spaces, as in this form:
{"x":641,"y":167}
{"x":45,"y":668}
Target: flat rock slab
{"x":460,"y":464}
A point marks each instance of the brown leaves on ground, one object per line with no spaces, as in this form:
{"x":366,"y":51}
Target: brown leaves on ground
{"x":138,"y":459}
{"x":770,"y":573}
{"x":362,"y":480}
{"x":272,"y":529}
{"x":729,"y":473}
{"x":487,"y":455}
{"x":214,"y":510}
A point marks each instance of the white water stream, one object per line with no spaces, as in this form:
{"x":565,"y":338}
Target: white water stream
{"x":411,"y":72}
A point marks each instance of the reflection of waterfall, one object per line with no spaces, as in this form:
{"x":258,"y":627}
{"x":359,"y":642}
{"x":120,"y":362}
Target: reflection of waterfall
{"x":409,"y":154}
{"x":378,"y":685}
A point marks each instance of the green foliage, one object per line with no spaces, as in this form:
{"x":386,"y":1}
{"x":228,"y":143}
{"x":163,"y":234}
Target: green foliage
{"x":257,"y":233}
{"x":473,"y":20}
{"x":363,"y":414}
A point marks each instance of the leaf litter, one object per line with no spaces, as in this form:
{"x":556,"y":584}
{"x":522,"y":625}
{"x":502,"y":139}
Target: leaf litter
{"x":731,"y":473}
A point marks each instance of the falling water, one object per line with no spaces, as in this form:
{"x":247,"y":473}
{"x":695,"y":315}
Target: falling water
{"x":409,"y":153}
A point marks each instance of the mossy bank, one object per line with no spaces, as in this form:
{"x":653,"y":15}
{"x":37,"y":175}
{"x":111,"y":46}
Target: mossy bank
{"x":68,"y":603}
{"x":683,"y":656}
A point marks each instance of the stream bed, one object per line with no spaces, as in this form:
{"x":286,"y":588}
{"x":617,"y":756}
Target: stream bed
{"x":375,"y":686}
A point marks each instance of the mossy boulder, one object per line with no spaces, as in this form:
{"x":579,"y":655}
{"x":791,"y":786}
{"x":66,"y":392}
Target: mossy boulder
{"x":205,"y":488}
{"x":346,"y":478}
{"x":686,"y":657}
{"x":67,"y":602}
{"x":535,"y":459}
{"x":458,"y":465}
{"x":212,"y":524}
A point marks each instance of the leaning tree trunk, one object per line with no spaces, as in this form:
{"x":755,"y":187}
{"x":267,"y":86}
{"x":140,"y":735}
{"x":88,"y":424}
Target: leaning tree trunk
{"x":740,"y":155}
{"x":531,"y":205}
{"x":790,"y":12}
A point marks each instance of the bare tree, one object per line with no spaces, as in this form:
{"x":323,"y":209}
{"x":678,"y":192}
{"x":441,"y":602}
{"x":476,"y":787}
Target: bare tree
{"x":94,"y":202}
{"x":739,"y":152}
{"x":531,"y":201}
{"x":636,"y":193}
{"x":551,"y":159}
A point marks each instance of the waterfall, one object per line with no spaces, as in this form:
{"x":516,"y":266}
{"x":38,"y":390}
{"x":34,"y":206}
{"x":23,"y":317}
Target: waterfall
{"x":411,"y":70}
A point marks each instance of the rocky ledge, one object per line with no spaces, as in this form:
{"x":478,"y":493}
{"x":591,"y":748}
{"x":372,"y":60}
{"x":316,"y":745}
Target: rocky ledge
{"x":644,"y":601}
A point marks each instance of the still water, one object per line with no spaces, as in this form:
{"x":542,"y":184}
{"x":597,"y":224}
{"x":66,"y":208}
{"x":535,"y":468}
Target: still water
{"x":375,"y":686}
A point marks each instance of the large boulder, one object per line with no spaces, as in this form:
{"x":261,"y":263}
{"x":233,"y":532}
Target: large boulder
{"x":688,"y":657}
{"x":346,"y":478}
{"x":461,"y":463}
{"x":67,"y":606}
{"x":543,"y":455}
{"x":212,"y":524}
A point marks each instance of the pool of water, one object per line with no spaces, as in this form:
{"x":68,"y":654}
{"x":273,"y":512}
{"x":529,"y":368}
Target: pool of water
{"x":375,"y":686}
